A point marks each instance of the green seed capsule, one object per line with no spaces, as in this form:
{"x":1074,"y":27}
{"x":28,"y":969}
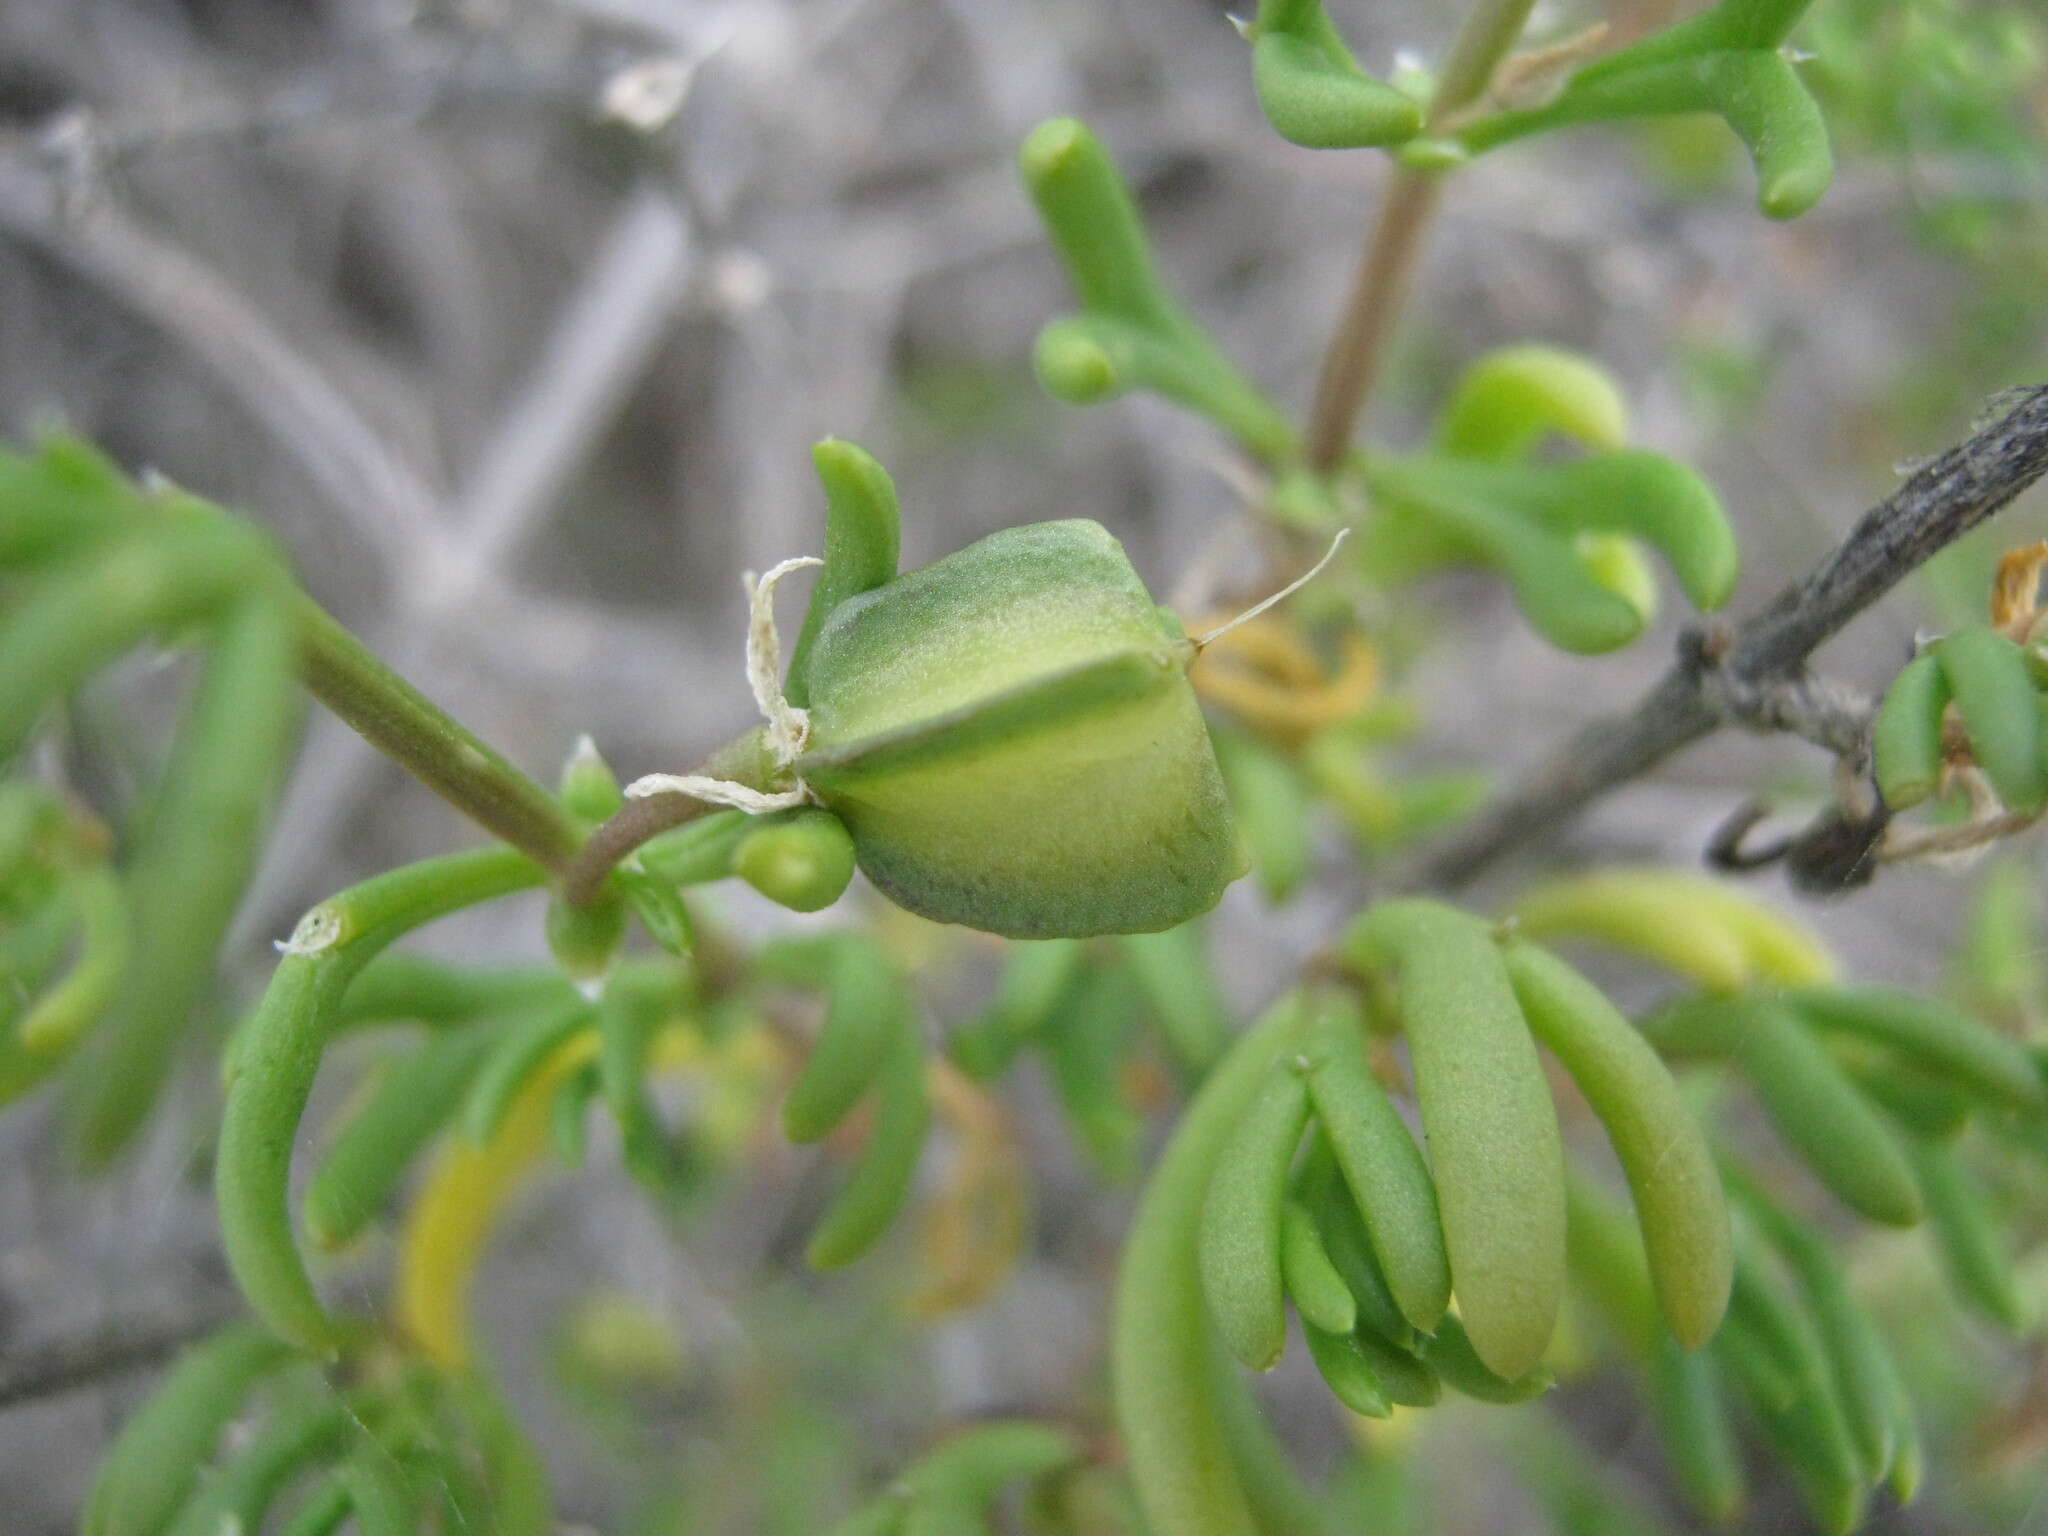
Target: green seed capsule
{"x":1240,"y":1245}
{"x":1493,"y":1138}
{"x":154,"y":1462}
{"x":1386,"y":1174}
{"x":1670,"y":1171}
{"x":881,"y":1176}
{"x":1318,"y":1289}
{"x":1905,"y":740}
{"x":802,"y":860}
{"x":1010,"y":736}
{"x":1994,"y":693}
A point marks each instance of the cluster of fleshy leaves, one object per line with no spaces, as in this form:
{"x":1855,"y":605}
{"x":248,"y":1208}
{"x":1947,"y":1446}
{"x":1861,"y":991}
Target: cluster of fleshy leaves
{"x":90,"y":566}
{"x":1564,"y":533}
{"x":1882,"y":1098}
{"x":509,"y":1063}
{"x":393,"y":1447}
{"x":1871,"y":1090}
{"x":492,"y":1068}
{"x":1728,"y":62}
{"x":1974,"y":700}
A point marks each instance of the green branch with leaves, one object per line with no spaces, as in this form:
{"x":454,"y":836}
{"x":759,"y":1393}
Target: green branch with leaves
{"x":1016,"y":740}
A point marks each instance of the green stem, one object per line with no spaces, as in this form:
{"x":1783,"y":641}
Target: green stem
{"x":278,"y":1056}
{"x":407,"y":727}
{"x":1378,"y":294}
{"x":743,"y":760}
{"x":1352,"y":363}
{"x":1489,"y":32}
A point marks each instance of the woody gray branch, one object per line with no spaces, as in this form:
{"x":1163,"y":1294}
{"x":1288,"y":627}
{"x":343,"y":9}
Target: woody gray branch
{"x":1832,"y":714}
{"x":1755,"y":674}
